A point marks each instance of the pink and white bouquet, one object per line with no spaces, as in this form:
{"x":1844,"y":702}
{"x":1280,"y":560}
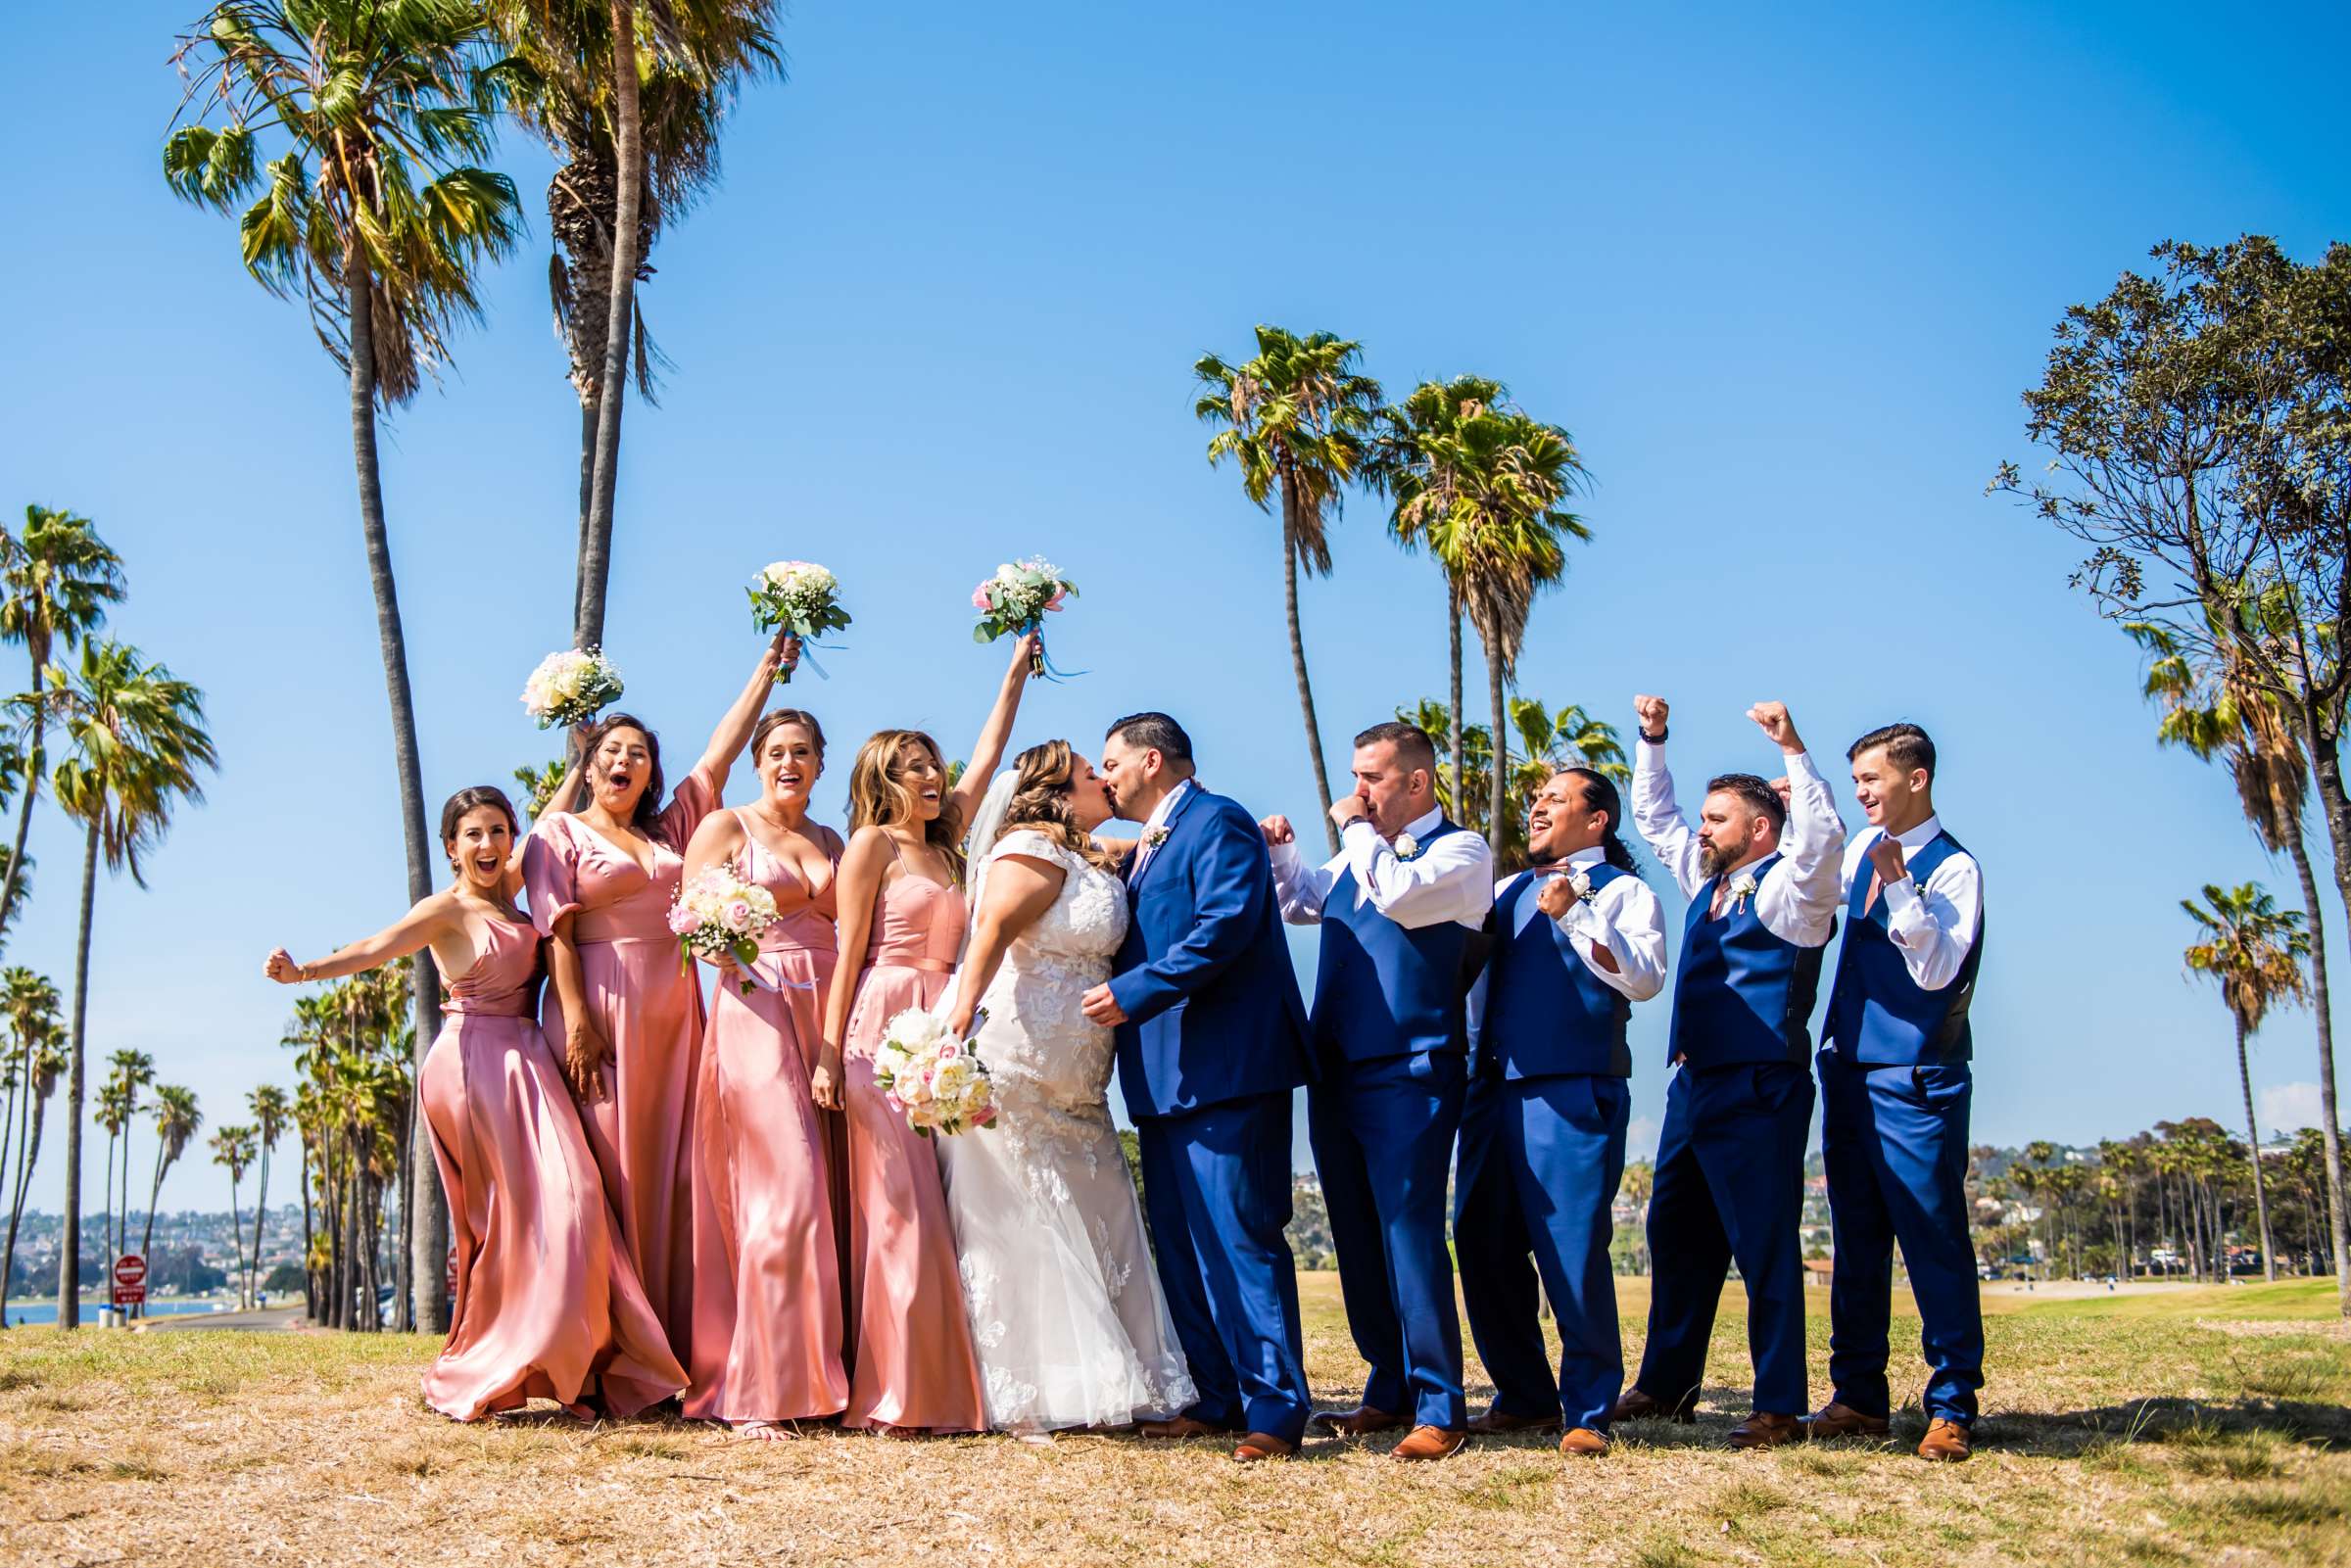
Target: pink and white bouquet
{"x":800,"y":596}
{"x":1015,"y":600}
{"x":570,"y":688}
{"x":720,"y":916}
{"x":933,"y":1077}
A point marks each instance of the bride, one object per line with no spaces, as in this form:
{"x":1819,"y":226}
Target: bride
{"x":1066,"y":1311}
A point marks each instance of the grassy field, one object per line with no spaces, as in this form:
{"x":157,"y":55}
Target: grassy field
{"x":2180,"y":1426}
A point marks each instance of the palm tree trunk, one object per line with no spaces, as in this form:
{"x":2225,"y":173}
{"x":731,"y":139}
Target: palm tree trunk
{"x":2339,"y":1222}
{"x":1497,"y":796}
{"x":611,"y":386}
{"x":33,"y":787}
{"x":1306,"y":690}
{"x":29,"y":1155}
{"x":588,"y":418}
{"x":1452,"y":712}
{"x":2261,"y":1194}
{"x":309,"y":1276}
{"x":153,"y":1192}
{"x":261,"y":1206}
{"x":394,"y":643}
{"x":68,"y":1251}
{"x":236,"y":1236}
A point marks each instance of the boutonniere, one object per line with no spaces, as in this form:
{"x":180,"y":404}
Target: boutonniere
{"x":1407,"y":848}
{"x":1153,"y":838}
{"x":1743,"y":888}
{"x":1581,"y":881}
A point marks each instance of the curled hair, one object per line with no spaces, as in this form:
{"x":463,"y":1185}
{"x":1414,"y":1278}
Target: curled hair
{"x":1754,"y":792}
{"x":1156,"y":732}
{"x":647,"y":818}
{"x":1040,"y":801}
{"x":1600,"y":794}
{"x":458,"y":806}
{"x":881,"y":797}
{"x":780,"y":717}
{"x":1907,"y":747}
{"x":1413,"y":747}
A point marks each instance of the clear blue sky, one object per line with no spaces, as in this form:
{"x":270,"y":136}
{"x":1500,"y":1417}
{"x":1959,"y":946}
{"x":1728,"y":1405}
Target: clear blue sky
{"x":1784,"y":280}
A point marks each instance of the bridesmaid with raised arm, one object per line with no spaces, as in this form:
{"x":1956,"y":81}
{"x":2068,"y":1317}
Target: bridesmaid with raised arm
{"x":622,"y":1015}
{"x":767,"y":1158}
{"x":546,"y":1303}
{"x":913,"y":1367}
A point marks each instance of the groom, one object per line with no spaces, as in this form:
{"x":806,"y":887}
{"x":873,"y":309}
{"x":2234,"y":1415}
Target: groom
{"x":1211,"y":1039}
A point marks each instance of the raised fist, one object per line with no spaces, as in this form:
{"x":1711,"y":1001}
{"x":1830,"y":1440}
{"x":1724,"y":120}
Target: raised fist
{"x":1772,"y":718}
{"x":1650,"y":712}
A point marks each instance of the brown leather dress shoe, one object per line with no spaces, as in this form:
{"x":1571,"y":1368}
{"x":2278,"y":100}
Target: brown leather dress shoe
{"x":1498,"y":1423}
{"x":1359,"y":1422}
{"x":1765,"y":1430}
{"x":1430,"y":1443}
{"x":1945,"y":1441}
{"x":1183,"y":1426}
{"x":1584,"y":1444}
{"x":1260,"y":1445}
{"x":1834,"y":1420}
{"x":1639,"y":1404}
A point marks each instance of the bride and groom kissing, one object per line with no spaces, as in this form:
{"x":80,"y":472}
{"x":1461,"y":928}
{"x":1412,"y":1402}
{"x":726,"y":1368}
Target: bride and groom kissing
{"x":1168,"y":952}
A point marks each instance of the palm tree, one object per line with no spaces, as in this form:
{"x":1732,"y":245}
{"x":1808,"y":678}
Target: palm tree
{"x":270,"y":1111}
{"x":233,"y":1148}
{"x":384,"y":97}
{"x":176,"y":1119}
{"x":1413,"y":461}
{"x":137,"y":742}
{"x":561,"y":83}
{"x":1505,"y":540}
{"x":1295,"y":418}
{"x":47,"y":1062}
{"x":2234,"y":717}
{"x":58,"y":580}
{"x":2254,"y":951}
{"x":128,"y":1072}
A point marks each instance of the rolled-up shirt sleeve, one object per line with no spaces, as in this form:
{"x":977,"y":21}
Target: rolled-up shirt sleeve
{"x":1451,"y":879}
{"x":1935,"y":926}
{"x":1798,"y":898}
{"x":1659,"y":819}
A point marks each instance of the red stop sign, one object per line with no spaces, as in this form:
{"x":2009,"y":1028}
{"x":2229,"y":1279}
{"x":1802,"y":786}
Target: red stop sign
{"x":130,"y":1280}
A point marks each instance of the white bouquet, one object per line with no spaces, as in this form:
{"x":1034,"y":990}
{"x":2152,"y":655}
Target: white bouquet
{"x":1015,"y":600}
{"x":718,"y":914}
{"x":933,"y":1078}
{"x":800,"y":596}
{"x":570,"y":688}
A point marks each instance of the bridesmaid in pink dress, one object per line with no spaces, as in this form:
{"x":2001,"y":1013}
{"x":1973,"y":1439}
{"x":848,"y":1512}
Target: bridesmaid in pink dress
{"x":621,"y":1014}
{"x":767,"y":1158}
{"x":913,"y":1367}
{"x":546,"y":1303}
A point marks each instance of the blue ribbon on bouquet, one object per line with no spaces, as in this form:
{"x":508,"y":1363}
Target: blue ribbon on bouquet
{"x":809,"y":659}
{"x":1045,"y":669}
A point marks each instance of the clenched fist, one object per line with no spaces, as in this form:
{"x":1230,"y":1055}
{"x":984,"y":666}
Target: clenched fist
{"x":1557,"y":896}
{"x":1886,"y":859}
{"x":1278,"y":831}
{"x":1772,"y":718}
{"x":1650,"y":712}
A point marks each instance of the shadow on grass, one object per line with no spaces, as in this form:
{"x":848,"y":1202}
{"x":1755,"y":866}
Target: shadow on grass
{"x":2066,"y":1434}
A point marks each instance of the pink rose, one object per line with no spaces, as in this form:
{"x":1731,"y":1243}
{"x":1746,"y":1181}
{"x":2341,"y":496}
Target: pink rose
{"x":738,"y":915}
{"x":681,"y":920}
{"x":985,"y":1117}
{"x":949,"y":1050}
{"x":1059,"y":594}
{"x":979,"y":599}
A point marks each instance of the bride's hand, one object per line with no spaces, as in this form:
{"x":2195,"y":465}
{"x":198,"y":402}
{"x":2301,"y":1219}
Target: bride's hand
{"x":958,"y":1021}
{"x":824,"y":1085}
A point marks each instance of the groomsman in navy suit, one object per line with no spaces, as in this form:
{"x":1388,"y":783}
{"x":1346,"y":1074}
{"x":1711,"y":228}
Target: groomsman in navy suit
{"x":1761,"y":875}
{"x":1578,"y":941}
{"x":1895,"y":1085}
{"x":1211,"y":1041}
{"x":1398,"y":909}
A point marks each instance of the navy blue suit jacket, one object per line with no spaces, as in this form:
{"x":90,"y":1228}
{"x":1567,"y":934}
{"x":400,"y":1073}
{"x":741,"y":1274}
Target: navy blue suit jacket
{"x":1204,"y":977}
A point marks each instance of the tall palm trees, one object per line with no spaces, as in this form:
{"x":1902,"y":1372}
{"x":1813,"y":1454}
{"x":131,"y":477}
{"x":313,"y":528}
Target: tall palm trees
{"x":57,"y":580}
{"x":1295,"y":418}
{"x":135,"y":741}
{"x":233,"y":1150}
{"x":176,"y":1119}
{"x":384,"y":99}
{"x":270,"y":1112}
{"x":29,"y":1003}
{"x":2254,"y":951}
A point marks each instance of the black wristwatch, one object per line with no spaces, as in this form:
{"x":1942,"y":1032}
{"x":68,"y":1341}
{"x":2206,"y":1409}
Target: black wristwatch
{"x":1656,"y":740}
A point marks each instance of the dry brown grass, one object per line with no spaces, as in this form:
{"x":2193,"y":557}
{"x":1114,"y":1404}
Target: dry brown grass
{"x":2116,"y":1430}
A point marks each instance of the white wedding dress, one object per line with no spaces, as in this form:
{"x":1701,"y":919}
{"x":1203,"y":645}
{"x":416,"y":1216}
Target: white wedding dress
{"x":1066,"y":1310}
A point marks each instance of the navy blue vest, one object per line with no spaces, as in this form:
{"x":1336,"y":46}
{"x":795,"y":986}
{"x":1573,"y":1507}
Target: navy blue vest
{"x":1382,"y":990}
{"x":1878,"y":1014}
{"x":1744,"y":995}
{"x":1547,"y":1014}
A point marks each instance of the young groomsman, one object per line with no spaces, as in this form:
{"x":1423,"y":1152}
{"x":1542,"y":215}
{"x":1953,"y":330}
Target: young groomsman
{"x":1761,"y":876}
{"x":1896,"y":1085}
{"x":1579,"y":940}
{"x":1398,"y":909}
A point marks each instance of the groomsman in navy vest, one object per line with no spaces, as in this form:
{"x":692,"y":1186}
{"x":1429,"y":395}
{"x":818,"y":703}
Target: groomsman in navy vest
{"x":1896,"y":1085}
{"x":1578,"y":941}
{"x":1398,"y":909}
{"x":1762,"y":876}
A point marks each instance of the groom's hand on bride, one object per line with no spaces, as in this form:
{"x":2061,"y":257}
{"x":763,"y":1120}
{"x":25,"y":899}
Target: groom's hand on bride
{"x":1101,"y":1007}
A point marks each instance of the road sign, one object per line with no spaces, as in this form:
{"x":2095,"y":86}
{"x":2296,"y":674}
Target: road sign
{"x":130,"y":1280}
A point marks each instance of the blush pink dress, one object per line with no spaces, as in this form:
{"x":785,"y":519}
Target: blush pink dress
{"x":546,"y":1302}
{"x":913,"y":1363}
{"x":651,"y":1013}
{"x":767,"y":1303}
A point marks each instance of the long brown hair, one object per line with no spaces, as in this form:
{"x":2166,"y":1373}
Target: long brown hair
{"x":1040,"y":801}
{"x":879,"y":796}
{"x":647,"y":818}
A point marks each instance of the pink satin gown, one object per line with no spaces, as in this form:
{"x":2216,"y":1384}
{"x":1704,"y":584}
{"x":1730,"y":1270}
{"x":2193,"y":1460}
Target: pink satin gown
{"x":651,"y":1013}
{"x":767,"y":1304}
{"x":546,"y":1302}
{"x":913,"y":1365}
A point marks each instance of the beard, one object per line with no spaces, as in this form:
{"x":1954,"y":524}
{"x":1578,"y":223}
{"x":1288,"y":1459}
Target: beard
{"x":1719,"y":857}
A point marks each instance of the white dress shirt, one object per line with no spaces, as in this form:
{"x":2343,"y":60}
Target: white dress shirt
{"x":1625,"y":917}
{"x":1152,"y":824}
{"x":1934,"y":926}
{"x":1450,"y":877}
{"x":1798,"y":899}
